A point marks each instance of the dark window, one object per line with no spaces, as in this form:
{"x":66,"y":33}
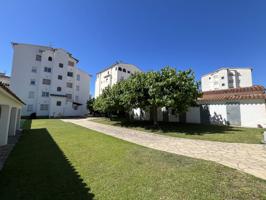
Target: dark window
{"x":222,"y":77}
{"x":38,"y":57}
{"x":124,"y":70}
{"x":50,"y":58}
{"x":128,"y":72}
{"x":32,"y":82}
{"x":45,"y":94}
{"x":223,"y":84}
{"x":61,"y":65}
{"x":59,"y":89}
{"x":46,"y":81}
{"x":78,"y":77}
{"x":209,"y":78}
{"x":48,"y":69}
{"x":58,"y":103}
{"x":60,"y":77}
{"x":70,"y":74}
{"x":119,"y":68}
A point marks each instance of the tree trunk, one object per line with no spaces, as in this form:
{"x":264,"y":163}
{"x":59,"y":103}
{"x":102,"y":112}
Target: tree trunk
{"x":155,"y":116}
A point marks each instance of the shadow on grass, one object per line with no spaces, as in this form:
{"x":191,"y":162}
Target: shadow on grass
{"x":38,"y":169}
{"x":174,"y":127}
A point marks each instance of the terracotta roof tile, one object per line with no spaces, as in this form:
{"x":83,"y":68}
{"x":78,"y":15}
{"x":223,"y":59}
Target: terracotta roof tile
{"x":254,"y":92}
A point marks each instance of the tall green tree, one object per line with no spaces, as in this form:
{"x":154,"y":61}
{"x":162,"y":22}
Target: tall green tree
{"x":167,"y":88}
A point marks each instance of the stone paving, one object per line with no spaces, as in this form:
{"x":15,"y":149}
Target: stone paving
{"x":6,"y":149}
{"x":249,"y":158}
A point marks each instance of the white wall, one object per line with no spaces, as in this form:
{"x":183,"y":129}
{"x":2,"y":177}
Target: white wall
{"x":226,"y":78}
{"x":112,"y":75}
{"x":253,"y":113}
{"x":218,"y":113}
{"x":24,"y":58}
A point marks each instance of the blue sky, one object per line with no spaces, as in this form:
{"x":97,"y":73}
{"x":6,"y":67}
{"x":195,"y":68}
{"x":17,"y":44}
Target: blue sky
{"x":199,"y":34}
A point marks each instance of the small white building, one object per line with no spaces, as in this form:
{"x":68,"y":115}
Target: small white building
{"x":244,"y":107}
{"x":226,"y":78}
{"x":10,"y":113}
{"x":48,"y":81}
{"x":5,"y":79}
{"x":113,"y":74}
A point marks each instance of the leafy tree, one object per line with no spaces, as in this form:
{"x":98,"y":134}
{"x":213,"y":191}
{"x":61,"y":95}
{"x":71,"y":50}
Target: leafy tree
{"x":152,"y":90}
{"x":90,"y":103}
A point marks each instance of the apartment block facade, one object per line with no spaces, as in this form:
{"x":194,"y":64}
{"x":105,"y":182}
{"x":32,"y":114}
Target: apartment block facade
{"x":48,"y":81}
{"x":227,"y":78}
{"x":113,"y":74}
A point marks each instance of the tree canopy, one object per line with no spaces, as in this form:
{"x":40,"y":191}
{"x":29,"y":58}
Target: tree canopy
{"x":167,"y":88}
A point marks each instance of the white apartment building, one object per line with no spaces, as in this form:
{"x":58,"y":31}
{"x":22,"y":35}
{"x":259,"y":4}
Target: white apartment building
{"x":112,"y":74}
{"x":5,"y":79}
{"x":226,"y":78}
{"x":48,"y":81}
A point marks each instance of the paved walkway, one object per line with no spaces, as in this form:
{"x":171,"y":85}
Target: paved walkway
{"x":6,"y":149}
{"x":249,"y":158}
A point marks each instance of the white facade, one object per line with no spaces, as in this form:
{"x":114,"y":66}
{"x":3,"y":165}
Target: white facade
{"x":252,"y":112}
{"x":10,"y":112}
{"x":113,"y":74}
{"x":226,"y":78}
{"x":5,"y":79}
{"x":48,"y":81}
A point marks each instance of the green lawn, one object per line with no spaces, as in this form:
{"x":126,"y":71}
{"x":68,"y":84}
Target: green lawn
{"x":57,"y":160}
{"x":193,"y":131}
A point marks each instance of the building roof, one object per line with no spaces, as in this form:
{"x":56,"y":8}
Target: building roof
{"x":3,"y":86}
{"x":253,"y":92}
{"x":117,"y":63}
{"x":42,"y":46}
{"x":227,"y":68}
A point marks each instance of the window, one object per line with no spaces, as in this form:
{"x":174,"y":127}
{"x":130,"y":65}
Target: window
{"x":71,"y":63}
{"x":38,"y":58}
{"x":77,"y":87}
{"x":44,"y":107}
{"x":75,"y":107}
{"x":78,"y":77}
{"x":70,"y":74}
{"x":29,"y":108}
{"x":69,"y":96}
{"x":50,"y":58}
{"x":32,"y":82}
{"x":69,"y":85}
{"x":34,"y":69}
{"x":119,"y":68}
{"x":223,"y":84}
{"x":46,"y":81}
{"x":58,"y":103}
{"x":128,"y":72}
{"x":124,"y":70}
{"x":45,"y":94}
{"x":173,"y":112}
{"x":116,"y":69}
{"x":61,"y":65}
{"x":209,"y":78}
{"x":60,"y":77}
{"x":59,"y":89}
{"x":222,"y":77}
{"x":31,"y":95}
{"x":48,"y":69}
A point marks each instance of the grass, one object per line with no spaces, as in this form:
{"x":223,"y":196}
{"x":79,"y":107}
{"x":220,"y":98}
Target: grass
{"x":58,"y":160}
{"x":192,"y":131}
